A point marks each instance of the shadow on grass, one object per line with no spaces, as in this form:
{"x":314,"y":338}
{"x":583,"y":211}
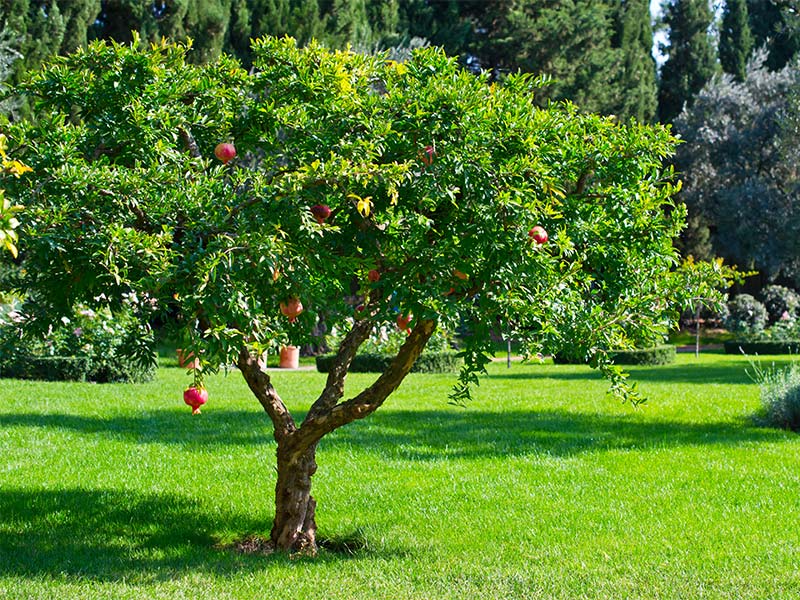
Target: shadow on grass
{"x":113,"y":535}
{"x":734,"y":372}
{"x":428,"y":434}
{"x":435,"y":435}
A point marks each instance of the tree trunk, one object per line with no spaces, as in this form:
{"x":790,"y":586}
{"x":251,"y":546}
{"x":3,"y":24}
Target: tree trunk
{"x":294,"y":528}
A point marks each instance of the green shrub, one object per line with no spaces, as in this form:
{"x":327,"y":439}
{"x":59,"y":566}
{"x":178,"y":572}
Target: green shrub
{"x":85,"y":347}
{"x":430,"y":362}
{"x":47,"y":368}
{"x":762,"y":347}
{"x":780,"y":395}
{"x":781,"y":303}
{"x":658,"y":355}
{"x":745,"y":315}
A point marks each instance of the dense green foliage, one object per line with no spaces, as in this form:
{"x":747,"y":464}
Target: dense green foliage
{"x":745,"y":315}
{"x":691,"y":56}
{"x":110,"y":492}
{"x":662,"y":354}
{"x":763,"y":347}
{"x":735,"y":39}
{"x":129,"y":199}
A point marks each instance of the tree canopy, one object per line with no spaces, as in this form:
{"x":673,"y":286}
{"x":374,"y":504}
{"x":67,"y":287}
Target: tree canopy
{"x":362,"y":190}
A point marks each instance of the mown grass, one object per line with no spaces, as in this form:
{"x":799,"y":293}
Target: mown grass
{"x":541,"y":488}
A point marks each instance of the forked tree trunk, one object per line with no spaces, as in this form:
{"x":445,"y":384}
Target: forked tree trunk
{"x":294,"y":528}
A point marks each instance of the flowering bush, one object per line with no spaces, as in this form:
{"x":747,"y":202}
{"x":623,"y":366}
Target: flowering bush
{"x":745,"y":315}
{"x":95,"y":335}
{"x":781,"y":303}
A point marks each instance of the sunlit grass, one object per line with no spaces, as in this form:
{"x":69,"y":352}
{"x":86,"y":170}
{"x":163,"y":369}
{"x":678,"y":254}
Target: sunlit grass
{"x":541,"y":487}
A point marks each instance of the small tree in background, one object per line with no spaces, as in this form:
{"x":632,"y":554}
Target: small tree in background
{"x":378,"y":192}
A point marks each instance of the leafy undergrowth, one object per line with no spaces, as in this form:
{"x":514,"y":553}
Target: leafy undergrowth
{"x":540,"y":488}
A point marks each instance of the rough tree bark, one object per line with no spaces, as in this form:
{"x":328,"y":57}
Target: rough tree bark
{"x":294,"y":527}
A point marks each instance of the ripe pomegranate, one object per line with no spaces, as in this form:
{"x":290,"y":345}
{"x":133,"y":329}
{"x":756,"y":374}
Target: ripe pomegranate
{"x":427,"y":154}
{"x":291,"y":308}
{"x":538,"y":234}
{"x":225,"y":152}
{"x":373,"y":275}
{"x":320,"y":212}
{"x":403,"y":322}
{"x":195,"y":396}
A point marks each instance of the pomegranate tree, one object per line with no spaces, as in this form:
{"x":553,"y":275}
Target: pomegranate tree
{"x":226,"y":255}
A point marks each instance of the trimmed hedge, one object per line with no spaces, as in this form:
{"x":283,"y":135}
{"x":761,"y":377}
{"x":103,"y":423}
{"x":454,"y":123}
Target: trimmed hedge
{"x":75,"y":368}
{"x":766,"y":347}
{"x":658,"y":355}
{"x":47,"y":368}
{"x":432,"y":362}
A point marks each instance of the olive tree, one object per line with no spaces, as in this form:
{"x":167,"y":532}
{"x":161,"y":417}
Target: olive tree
{"x":366,"y":190}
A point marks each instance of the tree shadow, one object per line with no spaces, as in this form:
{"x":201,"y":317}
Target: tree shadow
{"x":734,"y":372}
{"x":217,"y":427}
{"x":435,"y":435}
{"x":114,"y":535}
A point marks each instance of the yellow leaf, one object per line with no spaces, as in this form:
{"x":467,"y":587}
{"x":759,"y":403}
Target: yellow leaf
{"x":15,"y":167}
{"x":364,"y":206}
{"x":400,"y":68}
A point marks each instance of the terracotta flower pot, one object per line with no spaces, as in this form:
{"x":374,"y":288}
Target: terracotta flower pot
{"x":185,"y":359}
{"x":290,"y":357}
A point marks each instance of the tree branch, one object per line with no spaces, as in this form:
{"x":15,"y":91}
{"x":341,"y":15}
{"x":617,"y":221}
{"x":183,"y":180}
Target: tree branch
{"x":369,"y":400}
{"x":261,"y":386}
{"x":189,"y":142}
{"x":334,"y":387}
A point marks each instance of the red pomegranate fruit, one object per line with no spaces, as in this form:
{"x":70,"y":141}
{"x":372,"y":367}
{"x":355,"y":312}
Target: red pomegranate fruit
{"x":225,"y":151}
{"x":320,"y":212}
{"x":538,"y":235}
{"x":195,"y":397}
{"x":403,"y":321}
{"x":291,"y":308}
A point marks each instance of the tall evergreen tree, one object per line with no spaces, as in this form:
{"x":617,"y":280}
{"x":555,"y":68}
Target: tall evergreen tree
{"x":691,"y":56}
{"x":735,"y":39}
{"x":568,"y":40}
{"x":773,"y":24}
{"x":638,"y":79}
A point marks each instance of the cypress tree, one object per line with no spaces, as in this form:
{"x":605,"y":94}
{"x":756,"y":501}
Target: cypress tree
{"x":735,"y":39}
{"x":691,"y":57}
{"x":638,"y":79}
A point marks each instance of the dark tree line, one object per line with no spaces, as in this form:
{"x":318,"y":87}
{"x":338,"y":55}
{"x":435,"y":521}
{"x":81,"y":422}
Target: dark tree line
{"x":597,"y":51}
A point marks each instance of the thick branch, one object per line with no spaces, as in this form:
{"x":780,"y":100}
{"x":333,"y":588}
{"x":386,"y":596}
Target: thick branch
{"x":261,"y":386}
{"x":189,"y":142}
{"x":371,"y":398}
{"x":334,"y":387}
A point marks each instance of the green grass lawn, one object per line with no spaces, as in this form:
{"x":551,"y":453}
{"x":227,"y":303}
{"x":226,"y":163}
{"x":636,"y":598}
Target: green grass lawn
{"x":541,"y":488}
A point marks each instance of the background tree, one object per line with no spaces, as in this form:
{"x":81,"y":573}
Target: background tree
{"x":691,"y":56}
{"x":735,"y":39}
{"x":739,"y":166}
{"x":774,"y":25}
{"x":355,"y":176}
{"x":634,"y":36}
